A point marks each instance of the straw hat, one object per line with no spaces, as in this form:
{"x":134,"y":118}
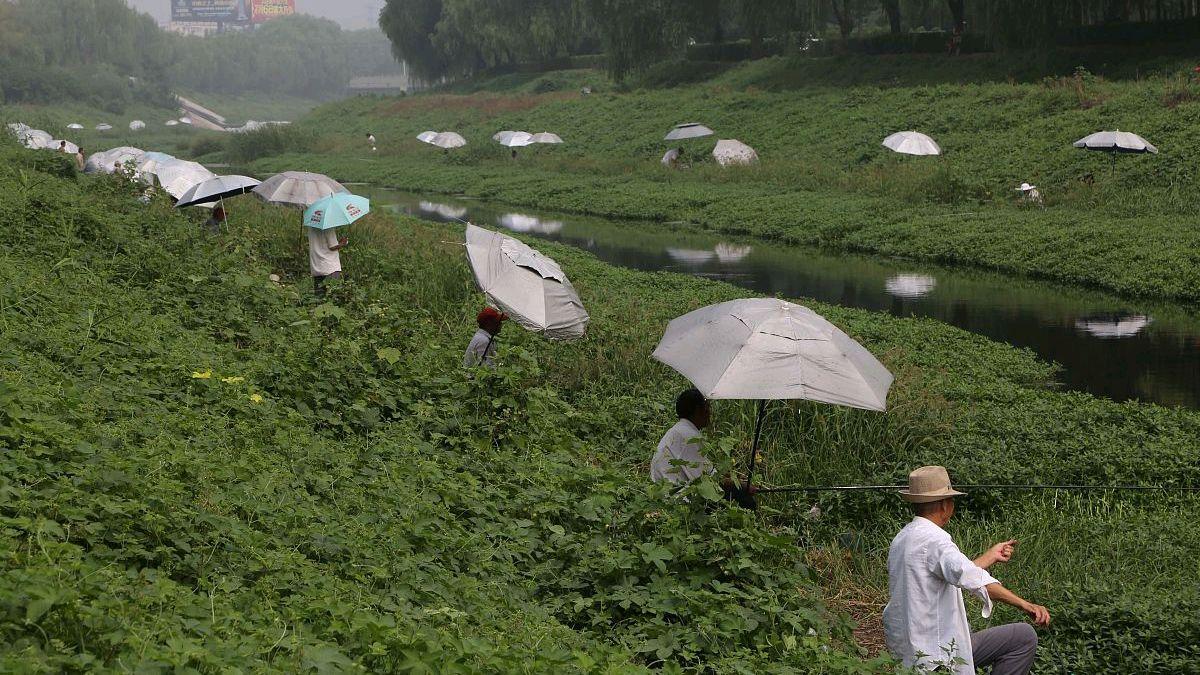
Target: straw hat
{"x":929,"y":484}
{"x":1026,"y":187}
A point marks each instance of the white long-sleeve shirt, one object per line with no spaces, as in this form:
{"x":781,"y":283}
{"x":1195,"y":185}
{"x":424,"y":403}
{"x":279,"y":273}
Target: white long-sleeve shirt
{"x":680,"y":443}
{"x":925,"y":616}
{"x":481,"y":349}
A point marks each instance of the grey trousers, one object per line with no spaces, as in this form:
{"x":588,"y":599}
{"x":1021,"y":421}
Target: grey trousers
{"x":1008,"y":649}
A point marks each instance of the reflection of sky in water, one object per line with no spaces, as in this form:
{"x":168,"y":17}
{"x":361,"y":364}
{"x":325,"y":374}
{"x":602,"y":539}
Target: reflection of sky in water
{"x":1113,"y":327}
{"x":910,"y":286}
{"x":519,"y":222}
{"x":1105,"y":345}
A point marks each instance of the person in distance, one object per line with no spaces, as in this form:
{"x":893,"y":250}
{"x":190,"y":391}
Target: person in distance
{"x":925,"y":621}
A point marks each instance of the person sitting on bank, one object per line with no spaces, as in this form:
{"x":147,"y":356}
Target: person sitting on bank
{"x":1030,"y":195}
{"x":673,"y":158}
{"x":482,"y":348}
{"x":678,"y":458}
{"x":925,"y":620}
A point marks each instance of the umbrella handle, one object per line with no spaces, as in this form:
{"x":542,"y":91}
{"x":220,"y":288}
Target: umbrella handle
{"x":762,"y":411}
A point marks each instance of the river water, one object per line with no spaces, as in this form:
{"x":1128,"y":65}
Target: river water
{"x":1120,"y":349}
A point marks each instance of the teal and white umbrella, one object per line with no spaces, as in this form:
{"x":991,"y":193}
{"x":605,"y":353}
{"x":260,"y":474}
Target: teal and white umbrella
{"x":336,"y":210}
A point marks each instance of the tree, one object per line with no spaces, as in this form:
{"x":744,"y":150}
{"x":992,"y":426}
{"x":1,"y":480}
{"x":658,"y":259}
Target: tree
{"x":636,"y":33}
{"x":892,"y":9}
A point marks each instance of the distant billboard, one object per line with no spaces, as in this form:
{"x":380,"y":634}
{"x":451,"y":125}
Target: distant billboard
{"x":265,"y":10}
{"x":217,"y":11}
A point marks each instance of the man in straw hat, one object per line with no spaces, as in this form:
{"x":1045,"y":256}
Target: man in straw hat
{"x":1030,"y":194}
{"x":925,"y":621}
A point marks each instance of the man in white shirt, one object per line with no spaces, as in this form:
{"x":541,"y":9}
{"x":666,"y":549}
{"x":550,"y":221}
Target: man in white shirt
{"x":925,"y":621}
{"x":482,"y":348}
{"x":324,"y":261}
{"x":371,"y":140}
{"x":678,"y":458}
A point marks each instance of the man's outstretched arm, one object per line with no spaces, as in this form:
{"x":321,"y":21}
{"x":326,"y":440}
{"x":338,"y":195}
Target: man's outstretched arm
{"x":1040,"y":615}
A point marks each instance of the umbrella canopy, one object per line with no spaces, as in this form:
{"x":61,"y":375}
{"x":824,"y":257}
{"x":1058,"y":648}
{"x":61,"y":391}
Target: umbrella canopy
{"x":427,"y":136}
{"x":912,"y":143}
{"x":171,"y":123}
{"x":75,"y":126}
{"x":150,"y":161}
{"x":765,"y":348}
{"x":17,"y":127}
{"x":185,"y":120}
{"x":734,"y":152}
{"x":448,"y":139}
{"x":178,"y":176}
{"x":689,"y":130}
{"x":34,"y":139}
{"x":137,"y":125}
{"x":526,"y":285}
{"x":502,"y":136}
{"x":515,"y":139}
{"x":215,"y":189}
{"x":546,"y":137}
{"x":103,"y":127}
{"x":297,"y":188}
{"x":336,"y":210}
{"x":1116,"y":141}
{"x":56,"y":144}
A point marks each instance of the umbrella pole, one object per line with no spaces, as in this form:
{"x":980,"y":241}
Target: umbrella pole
{"x":762,"y":411}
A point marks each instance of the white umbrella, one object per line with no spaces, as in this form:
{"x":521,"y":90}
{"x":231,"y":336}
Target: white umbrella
{"x":216,"y":188}
{"x":515,"y":139}
{"x":912,"y":143}
{"x":448,"y":139}
{"x":75,"y":126}
{"x":689,"y":130}
{"x":1116,"y":141}
{"x":526,"y":285}
{"x":103,"y":127}
{"x":427,"y":136}
{"x":910,"y":286}
{"x":297,"y":188}
{"x":34,"y":139}
{"x":733,"y":152}
{"x":546,"y":137}
{"x":18,"y":127}
{"x":137,"y":125}
{"x":178,"y":176}
{"x":171,"y":123}
{"x":765,"y":348}
{"x":501,"y":136}
{"x":185,"y":120}
{"x":57,"y":143}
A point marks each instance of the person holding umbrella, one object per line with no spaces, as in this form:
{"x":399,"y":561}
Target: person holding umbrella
{"x":678,"y":458}
{"x":925,"y":620}
{"x":322,"y":219}
{"x":482,"y":348}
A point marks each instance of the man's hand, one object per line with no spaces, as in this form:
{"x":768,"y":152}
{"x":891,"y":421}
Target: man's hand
{"x":1002,"y":552}
{"x":1040,"y":615}
{"x":342,"y":241}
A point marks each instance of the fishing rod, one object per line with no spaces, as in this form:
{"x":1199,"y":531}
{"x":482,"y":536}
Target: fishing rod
{"x":982,"y":486}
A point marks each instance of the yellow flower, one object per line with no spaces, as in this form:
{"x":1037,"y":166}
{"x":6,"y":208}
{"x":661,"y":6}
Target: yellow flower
{"x":232,"y":380}
{"x":256,"y":398}
{"x":197,"y":375}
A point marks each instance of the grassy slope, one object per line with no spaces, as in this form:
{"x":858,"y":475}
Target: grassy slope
{"x":824,"y":179}
{"x":361,"y":513}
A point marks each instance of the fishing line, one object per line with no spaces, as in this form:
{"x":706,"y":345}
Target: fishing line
{"x":988,"y":486}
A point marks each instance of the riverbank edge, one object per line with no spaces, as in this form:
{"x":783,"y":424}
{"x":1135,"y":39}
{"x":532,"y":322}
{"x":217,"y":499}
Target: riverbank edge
{"x":1031,"y":255}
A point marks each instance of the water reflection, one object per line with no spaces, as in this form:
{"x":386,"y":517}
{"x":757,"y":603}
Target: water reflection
{"x":446,"y":211}
{"x":1107,"y":346}
{"x":1113,"y":327}
{"x":519,"y":222}
{"x":910,"y":286}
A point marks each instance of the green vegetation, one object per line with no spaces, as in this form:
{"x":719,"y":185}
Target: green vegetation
{"x":207,"y":469}
{"x":824,"y":179}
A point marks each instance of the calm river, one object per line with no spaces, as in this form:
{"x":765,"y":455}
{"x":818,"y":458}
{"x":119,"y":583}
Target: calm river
{"x":1121,"y":349}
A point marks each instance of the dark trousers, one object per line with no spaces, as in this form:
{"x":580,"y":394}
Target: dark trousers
{"x":1008,"y":649}
{"x":319,"y":283}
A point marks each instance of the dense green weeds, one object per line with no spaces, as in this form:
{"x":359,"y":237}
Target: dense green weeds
{"x":824,"y":179}
{"x":379,"y":508}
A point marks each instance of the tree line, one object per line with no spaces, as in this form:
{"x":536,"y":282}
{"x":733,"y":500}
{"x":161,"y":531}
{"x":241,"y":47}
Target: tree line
{"x":104,"y":53}
{"x":453,"y":38}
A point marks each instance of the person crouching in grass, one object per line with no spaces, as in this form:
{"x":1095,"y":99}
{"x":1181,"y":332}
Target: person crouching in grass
{"x":482,"y":348}
{"x":925,"y":621}
{"x":678,"y":458}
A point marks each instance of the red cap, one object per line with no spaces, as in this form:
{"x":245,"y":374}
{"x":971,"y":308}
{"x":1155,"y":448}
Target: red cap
{"x":488,"y":314}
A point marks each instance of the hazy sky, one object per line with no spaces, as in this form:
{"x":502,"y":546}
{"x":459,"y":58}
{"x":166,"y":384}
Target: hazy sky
{"x":349,"y":13}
